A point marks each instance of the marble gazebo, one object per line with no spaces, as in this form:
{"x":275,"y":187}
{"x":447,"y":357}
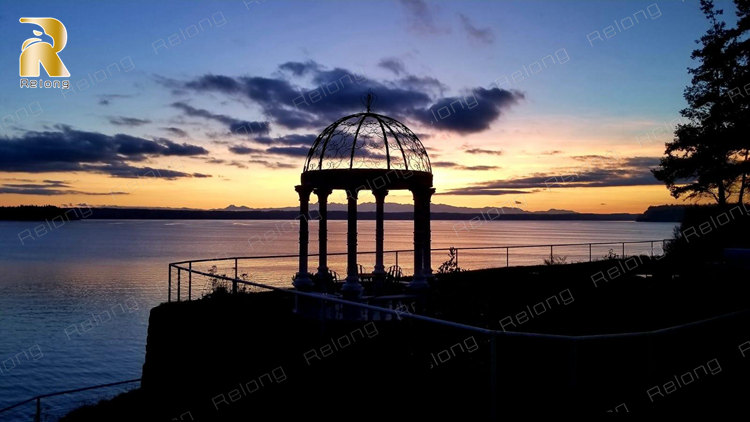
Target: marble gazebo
{"x":365,"y":151}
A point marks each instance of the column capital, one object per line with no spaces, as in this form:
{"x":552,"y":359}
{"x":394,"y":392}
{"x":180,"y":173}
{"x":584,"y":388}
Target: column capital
{"x":322,"y":192}
{"x":353,"y":192}
{"x":380,"y":193}
{"x":303,"y":191}
{"x":422,"y":192}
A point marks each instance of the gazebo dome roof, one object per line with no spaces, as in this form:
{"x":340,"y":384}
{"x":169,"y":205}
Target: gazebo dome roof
{"x":367,"y":141}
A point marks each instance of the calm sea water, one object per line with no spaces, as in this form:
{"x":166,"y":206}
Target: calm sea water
{"x":74,"y":302}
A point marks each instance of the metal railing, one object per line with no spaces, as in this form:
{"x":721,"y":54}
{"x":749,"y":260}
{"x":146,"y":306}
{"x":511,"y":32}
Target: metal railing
{"x":644,"y":342}
{"x":401,"y":314}
{"x":38,"y":399}
{"x":650,"y":248}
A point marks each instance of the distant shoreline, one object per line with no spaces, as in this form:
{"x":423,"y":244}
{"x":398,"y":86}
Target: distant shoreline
{"x":54,"y":213}
{"x":657,"y":213}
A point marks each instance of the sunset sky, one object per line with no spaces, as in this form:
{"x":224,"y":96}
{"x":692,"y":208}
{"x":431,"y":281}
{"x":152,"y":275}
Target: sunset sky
{"x":202,"y":105}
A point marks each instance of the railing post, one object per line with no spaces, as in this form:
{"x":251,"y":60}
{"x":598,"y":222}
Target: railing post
{"x":396,"y":258}
{"x":590,"y":256}
{"x":652,"y":249}
{"x":234,"y":283}
{"x":190,"y":281}
{"x":623,"y":250}
{"x":179,"y":273}
{"x":507,"y":257}
{"x":551,"y":256}
{"x":493,"y":377}
{"x":38,"y":415}
{"x":457,"y":257}
{"x":169,"y":289}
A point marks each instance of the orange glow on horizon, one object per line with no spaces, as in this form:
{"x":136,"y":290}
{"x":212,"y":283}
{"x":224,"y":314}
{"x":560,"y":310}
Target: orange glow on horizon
{"x":521,"y":147}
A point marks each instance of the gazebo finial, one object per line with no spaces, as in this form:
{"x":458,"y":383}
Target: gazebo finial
{"x":368,"y":100}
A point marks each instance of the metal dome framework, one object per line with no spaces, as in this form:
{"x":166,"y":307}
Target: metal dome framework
{"x":367,"y":141}
{"x":364,"y":151}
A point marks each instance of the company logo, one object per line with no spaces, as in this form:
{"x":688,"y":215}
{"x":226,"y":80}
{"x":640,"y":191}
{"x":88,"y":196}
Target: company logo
{"x":36,"y":51}
{"x":43,"y":51}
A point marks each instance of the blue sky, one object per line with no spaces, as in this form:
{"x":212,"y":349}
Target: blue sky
{"x":598,"y":101}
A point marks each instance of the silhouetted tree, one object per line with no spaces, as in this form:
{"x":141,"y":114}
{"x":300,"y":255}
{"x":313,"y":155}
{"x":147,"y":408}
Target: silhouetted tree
{"x":702,"y":158}
{"x":740,"y":95}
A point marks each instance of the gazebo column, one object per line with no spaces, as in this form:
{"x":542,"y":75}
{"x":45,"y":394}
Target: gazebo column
{"x":422,"y":270}
{"x":427,"y":234}
{"x":380,"y":195}
{"x":323,"y":232}
{"x":352,"y":288}
{"x":302,"y":280}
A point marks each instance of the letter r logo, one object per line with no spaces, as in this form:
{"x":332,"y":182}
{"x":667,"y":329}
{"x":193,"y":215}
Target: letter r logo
{"x":36,"y":51}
